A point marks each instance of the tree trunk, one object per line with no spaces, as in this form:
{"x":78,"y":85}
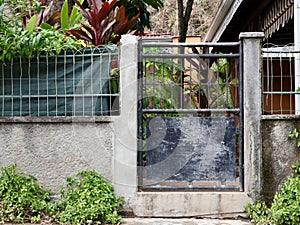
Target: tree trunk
{"x":184,"y":18}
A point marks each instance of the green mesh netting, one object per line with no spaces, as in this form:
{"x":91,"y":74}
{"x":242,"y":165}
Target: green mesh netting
{"x":70,"y":84}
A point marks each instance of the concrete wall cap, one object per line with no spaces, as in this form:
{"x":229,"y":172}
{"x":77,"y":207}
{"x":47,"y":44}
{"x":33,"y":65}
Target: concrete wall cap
{"x":129,"y":39}
{"x":251,"y":35}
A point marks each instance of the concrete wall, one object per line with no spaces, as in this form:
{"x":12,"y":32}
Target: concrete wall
{"x":53,"y":149}
{"x":251,"y":111}
{"x":278,"y":152}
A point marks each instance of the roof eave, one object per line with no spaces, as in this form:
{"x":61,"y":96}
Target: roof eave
{"x":223,"y":17}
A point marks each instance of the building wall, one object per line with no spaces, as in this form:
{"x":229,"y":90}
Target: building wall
{"x":55,"y":150}
{"x":278,"y":153}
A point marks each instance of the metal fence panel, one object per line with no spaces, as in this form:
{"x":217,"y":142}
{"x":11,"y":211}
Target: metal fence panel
{"x":70,"y":84}
{"x":278,"y":80}
{"x":189,"y":117}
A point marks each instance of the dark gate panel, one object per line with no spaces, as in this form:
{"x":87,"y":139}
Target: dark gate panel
{"x":189,"y":116}
{"x":193,"y":149}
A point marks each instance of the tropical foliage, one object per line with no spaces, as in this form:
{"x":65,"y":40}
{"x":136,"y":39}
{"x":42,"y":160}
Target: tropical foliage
{"x":104,"y":25}
{"x":87,"y":199}
{"x":285,"y":207}
{"x":27,"y":28}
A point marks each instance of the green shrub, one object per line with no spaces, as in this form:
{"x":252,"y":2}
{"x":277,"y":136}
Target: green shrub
{"x":89,"y":199}
{"x":21,"y":198}
{"x":285,"y":208}
{"x":295,"y":134}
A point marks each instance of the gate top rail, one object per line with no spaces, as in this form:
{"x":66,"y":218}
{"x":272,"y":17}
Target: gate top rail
{"x":162,"y":111}
{"x":174,"y":56}
{"x":199,"y":44}
{"x":279,"y":51}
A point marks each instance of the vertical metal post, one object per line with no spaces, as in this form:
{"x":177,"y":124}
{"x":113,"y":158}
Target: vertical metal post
{"x":181,"y":50}
{"x":297,"y":56}
{"x":241,"y":116}
{"x":140,"y":114}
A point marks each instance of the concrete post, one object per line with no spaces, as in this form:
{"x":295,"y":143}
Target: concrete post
{"x":252,"y":66}
{"x":297,"y":57}
{"x":125,"y":125}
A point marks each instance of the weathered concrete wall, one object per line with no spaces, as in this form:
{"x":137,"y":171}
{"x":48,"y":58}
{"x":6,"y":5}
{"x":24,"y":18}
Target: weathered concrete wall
{"x":278,"y":153}
{"x":251,"y":111}
{"x":52,"y":150}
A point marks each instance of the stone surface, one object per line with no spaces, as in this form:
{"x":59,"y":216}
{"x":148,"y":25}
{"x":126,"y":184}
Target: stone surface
{"x":252,"y":112}
{"x":190,"y":204}
{"x":53,"y":151}
{"x":192,"y":221}
{"x":278,"y":154}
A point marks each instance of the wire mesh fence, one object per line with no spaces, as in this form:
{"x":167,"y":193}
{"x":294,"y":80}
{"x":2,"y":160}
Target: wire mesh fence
{"x":278,"y":80}
{"x":83,"y":83}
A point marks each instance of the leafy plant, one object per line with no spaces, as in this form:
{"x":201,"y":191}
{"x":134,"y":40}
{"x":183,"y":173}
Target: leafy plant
{"x":25,"y":30}
{"x":285,"y":208}
{"x":104,"y":25}
{"x":295,"y":134}
{"x":89,"y":199}
{"x":21,"y":198}
{"x":31,"y":13}
{"x":163,"y":94}
{"x":259,"y":213}
{"x":142,"y":7}
{"x":69,"y":22}
{"x":17,"y":42}
{"x":213,"y":85}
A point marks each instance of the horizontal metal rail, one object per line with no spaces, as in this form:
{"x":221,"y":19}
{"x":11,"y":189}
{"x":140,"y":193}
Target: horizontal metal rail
{"x":280,"y":51}
{"x":190,"y":187}
{"x":75,"y":55}
{"x":200,"y":44}
{"x":281,"y":92}
{"x":175,"y":56}
{"x":183,"y":111}
{"x":60,"y":96}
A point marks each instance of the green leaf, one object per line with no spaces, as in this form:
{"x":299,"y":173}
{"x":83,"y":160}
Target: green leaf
{"x":298,"y":143}
{"x":31,"y":23}
{"x":46,"y":26}
{"x":235,"y":81}
{"x":64,"y":20}
{"x":75,"y":15}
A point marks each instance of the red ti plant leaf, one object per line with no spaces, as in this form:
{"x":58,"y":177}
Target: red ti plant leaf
{"x":54,"y":18}
{"x":105,"y":24}
{"x":122,"y":25}
{"x":84,"y":12}
{"x":80,"y":34}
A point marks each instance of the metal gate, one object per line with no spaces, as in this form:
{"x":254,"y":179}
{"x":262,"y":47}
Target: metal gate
{"x":189,"y":116}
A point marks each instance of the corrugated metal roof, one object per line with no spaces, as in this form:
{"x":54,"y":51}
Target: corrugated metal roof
{"x":267,"y":16}
{"x":275,"y":15}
